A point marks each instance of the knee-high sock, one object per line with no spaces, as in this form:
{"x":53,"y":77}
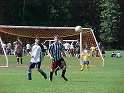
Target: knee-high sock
{"x":21,"y":60}
{"x":51,"y":75}
{"x":29,"y":76}
{"x":42,"y":72}
{"x":87,"y":67}
{"x":63,"y":72}
{"x":82,"y":68}
{"x":17,"y":59}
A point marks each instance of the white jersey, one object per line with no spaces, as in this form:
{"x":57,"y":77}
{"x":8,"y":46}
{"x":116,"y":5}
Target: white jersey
{"x":28,"y":46}
{"x":37,"y":53}
{"x":67,"y":45}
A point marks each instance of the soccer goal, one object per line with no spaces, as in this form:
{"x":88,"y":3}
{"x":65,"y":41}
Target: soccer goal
{"x":3,"y":55}
{"x":88,"y":40}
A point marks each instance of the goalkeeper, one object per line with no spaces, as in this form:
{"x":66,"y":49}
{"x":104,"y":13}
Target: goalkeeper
{"x":85,"y":59}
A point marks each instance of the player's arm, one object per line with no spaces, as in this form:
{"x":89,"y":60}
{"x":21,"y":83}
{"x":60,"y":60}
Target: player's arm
{"x":50,"y":53}
{"x":63,"y":53}
{"x":30,"y":52}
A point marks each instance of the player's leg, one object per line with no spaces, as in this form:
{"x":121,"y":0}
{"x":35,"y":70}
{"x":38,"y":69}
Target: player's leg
{"x":40,"y":70}
{"x":57,"y":68}
{"x":83,"y":64}
{"x":87,"y":65}
{"x":17,"y":59}
{"x":20,"y":57}
{"x":64,"y":67}
{"x":53,"y":67}
{"x":30,"y":66}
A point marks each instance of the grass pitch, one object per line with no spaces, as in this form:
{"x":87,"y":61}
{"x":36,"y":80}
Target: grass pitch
{"x":108,"y":79}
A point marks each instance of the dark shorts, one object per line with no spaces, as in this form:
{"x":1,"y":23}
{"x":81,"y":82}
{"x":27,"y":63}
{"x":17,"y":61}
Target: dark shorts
{"x":59,"y":63}
{"x":85,"y":62}
{"x":28,"y":50}
{"x":103,"y":52}
{"x":32,"y":65}
{"x":18,"y":54}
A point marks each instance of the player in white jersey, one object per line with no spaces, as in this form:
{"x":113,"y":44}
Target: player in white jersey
{"x":36,"y":56}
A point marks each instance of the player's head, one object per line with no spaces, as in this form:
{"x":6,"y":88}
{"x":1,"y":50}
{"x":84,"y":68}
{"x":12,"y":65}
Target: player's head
{"x":56,"y":38}
{"x":60,"y":40}
{"x":85,"y":51}
{"x":36,"y":41}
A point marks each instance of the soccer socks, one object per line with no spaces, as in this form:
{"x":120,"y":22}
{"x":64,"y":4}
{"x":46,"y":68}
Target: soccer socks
{"x":21,"y":60}
{"x":43,"y":74}
{"x":87,"y":67}
{"x":63,"y":72}
{"x":63,"y":75}
{"x":29,"y":76}
{"x":51,"y":76}
{"x":17,"y":60}
{"x":82,"y":68}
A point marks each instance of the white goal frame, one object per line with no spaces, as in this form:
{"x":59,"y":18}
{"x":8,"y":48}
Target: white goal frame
{"x":81,"y":42}
{"x":7,"y":65}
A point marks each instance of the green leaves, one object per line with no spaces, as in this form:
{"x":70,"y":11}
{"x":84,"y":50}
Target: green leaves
{"x":110,"y":18}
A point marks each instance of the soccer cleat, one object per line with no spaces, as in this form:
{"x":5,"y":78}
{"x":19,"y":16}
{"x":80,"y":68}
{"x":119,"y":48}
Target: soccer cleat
{"x":29,"y":79}
{"x":50,"y":79}
{"x":64,"y":78}
{"x":17,"y":62}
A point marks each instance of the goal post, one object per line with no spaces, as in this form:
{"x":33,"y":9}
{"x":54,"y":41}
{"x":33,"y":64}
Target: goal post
{"x":87,"y":38}
{"x":3,"y":56}
{"x":98,"y":48}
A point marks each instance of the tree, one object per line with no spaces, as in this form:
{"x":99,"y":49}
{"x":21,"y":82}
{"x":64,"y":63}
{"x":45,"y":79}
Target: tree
{"x":110,"y":18}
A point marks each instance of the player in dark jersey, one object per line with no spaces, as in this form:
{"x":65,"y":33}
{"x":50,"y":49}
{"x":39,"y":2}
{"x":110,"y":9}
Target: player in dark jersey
{"x":18,"y":50}
{"x":56,"y":54}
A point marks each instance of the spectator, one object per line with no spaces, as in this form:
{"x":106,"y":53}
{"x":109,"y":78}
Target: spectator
{"x":118,"y":55}
{"x":113,"y":54}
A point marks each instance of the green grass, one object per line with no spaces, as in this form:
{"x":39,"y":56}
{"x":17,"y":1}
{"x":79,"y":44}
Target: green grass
{"x":108,"y":79}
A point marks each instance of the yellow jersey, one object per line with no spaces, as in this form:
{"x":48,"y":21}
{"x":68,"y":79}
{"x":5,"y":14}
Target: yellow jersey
{"x":85,"y":56}
{"x":92,"y":48}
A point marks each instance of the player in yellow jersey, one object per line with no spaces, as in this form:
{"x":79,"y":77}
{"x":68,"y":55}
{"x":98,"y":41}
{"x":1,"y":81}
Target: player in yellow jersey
{"x":85,"y":60}
{"x":92,"y":49}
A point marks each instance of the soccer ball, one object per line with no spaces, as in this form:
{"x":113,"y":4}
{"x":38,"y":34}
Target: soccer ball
{"x":78,"y":28}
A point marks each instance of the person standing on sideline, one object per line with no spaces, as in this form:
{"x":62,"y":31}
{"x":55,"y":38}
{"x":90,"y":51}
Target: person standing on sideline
{"x":18,"y":50}
{"x":56,"y":54}
{"x":36,"y":56}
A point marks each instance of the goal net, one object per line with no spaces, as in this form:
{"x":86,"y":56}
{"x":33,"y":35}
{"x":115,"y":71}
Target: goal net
{"x":88,"y":41}
{"x":3,"y":55}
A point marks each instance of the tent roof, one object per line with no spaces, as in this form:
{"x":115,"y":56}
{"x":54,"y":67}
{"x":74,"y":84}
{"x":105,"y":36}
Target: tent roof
{"x":39,"y":31}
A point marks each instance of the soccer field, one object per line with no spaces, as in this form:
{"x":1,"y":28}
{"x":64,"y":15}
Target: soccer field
{"x":108,"y":79}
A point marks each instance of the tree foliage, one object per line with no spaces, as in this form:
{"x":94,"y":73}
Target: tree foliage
{"x":101,"y":15}
{"x":110,"y":18}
